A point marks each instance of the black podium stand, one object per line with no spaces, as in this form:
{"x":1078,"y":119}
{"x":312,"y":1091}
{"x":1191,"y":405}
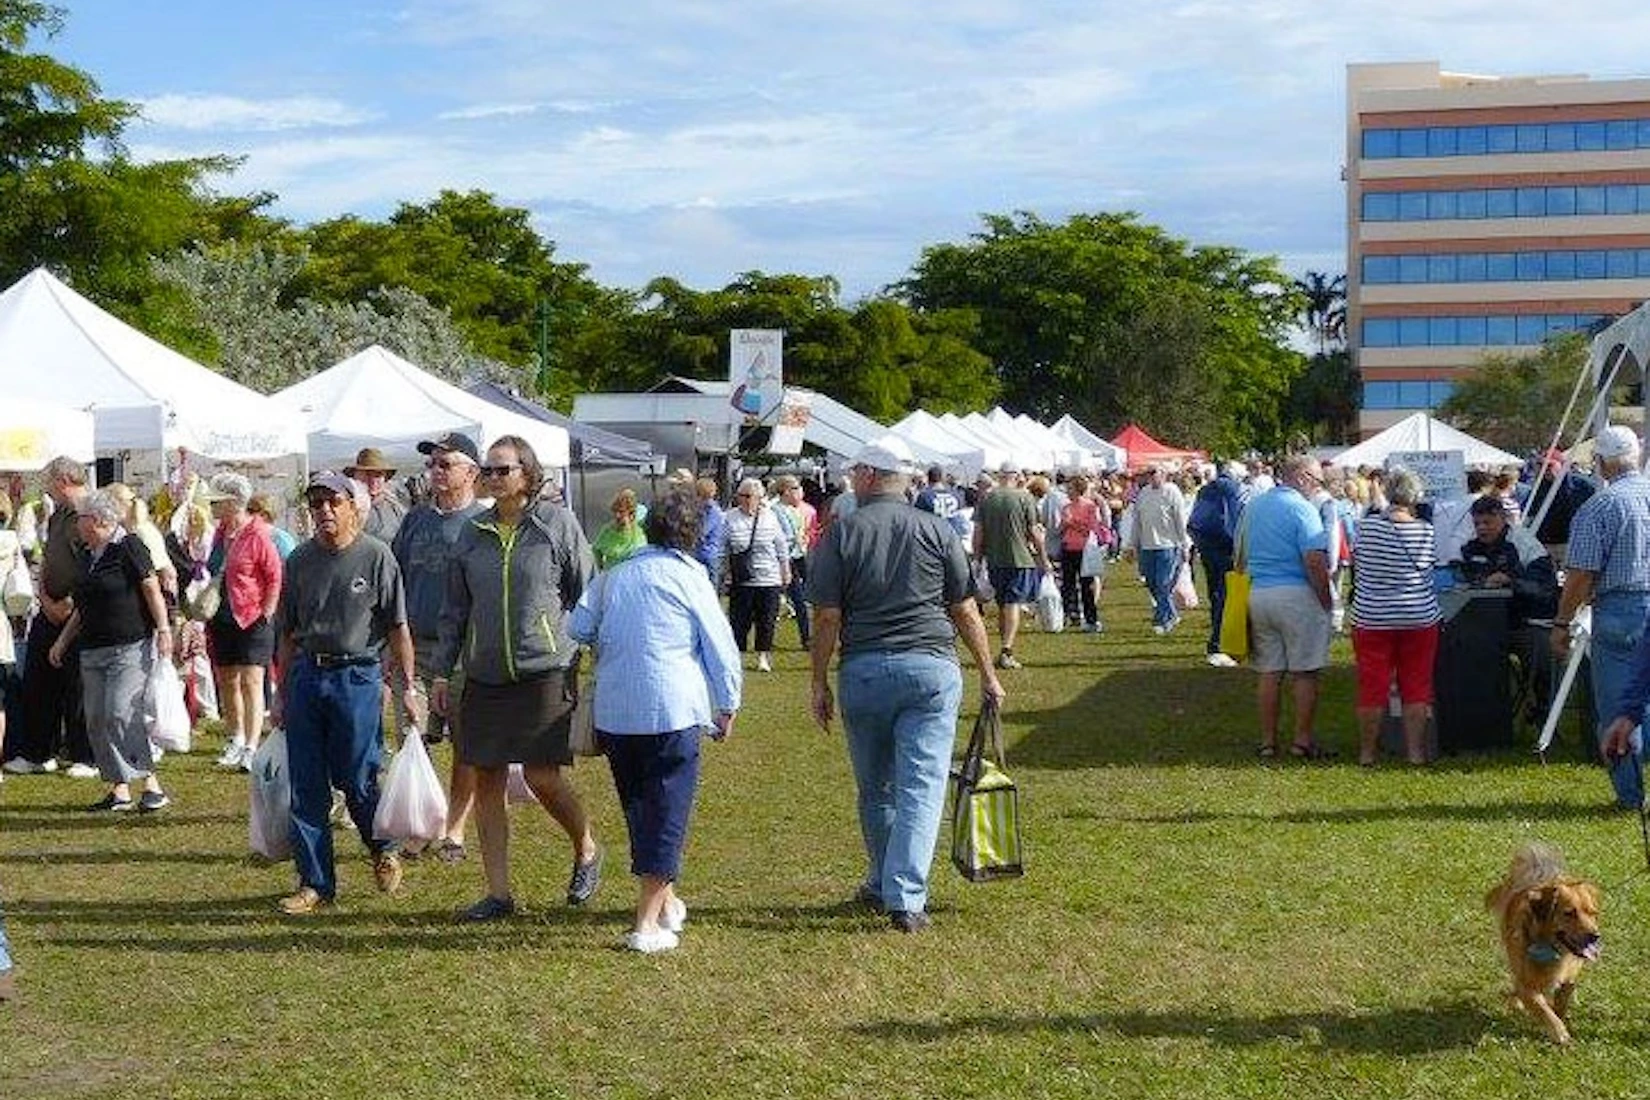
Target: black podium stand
{"x":1472,"y":696}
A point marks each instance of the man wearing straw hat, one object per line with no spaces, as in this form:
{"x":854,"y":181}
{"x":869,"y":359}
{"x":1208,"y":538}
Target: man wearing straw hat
{"x":384,"y":518}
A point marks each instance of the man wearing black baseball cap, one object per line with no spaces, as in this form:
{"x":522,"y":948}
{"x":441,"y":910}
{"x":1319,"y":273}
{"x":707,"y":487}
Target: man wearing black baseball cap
{"x":423,"y":546}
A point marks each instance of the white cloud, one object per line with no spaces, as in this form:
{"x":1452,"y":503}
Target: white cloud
{"x":489,"y":110}
{"x":233,"y":113}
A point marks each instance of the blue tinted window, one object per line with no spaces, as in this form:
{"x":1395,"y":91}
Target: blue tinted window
{"x":1532,"y":329}
{"x":1589,"y":200}
{"x":1502,"y":139}
{"x":1440,"y":391}
{"x":1644,"y":263}
{"x":1561,"y":200}
{"x":1380,"y":269}
{"x":1441,"y":269}
{"x":1559,"y":323}
{"x":1561,"y":265}
{"x":1621,"y":135}
{"x":1412,"y":269}
{"x":1644,"y":133}
{"x":1412,"y":206}
{"x":1561,"y":137}
{"x":1500,"y":330}
{"x":1380,"y":333}
{"x":1623,"y":263}
{"x":1412,"y":332}
{"x":1412,"y":395}
{"x":1470,"y":331}
{"x":1532,"y":139}
{"x":1644,"y":198}
{"x":1471,"y":205}
{"x":1532,"y":202}
{"x":1621,"y":199}
{"x":1471,"y":141}
{"x":1532,"y":266}
{"x":1500,"y":203}
{"x":1380,"y":395}
{"x":1412,"y":142}
{"x":1382,"y":206}
{"x":1441,"y":141}
{"x":1469,"y":267}
{"x":1590,"y":264}
{"x":1441,"y":331}
{"x":1500,"y":267}
{"x":1590,"y":136}
{"x":1380,"y":143}
{"x":1441,"y":204}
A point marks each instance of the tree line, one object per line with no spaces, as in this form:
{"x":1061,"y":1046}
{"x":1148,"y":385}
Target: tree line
{"x":1100,"y":315}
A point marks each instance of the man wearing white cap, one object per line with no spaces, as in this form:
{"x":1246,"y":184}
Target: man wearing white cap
{"x":890,"y":582}
{"x":1609,"y":566}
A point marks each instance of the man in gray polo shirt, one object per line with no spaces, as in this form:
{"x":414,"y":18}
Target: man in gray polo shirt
{"x":890,"y":582}
{"x":341,"y":601}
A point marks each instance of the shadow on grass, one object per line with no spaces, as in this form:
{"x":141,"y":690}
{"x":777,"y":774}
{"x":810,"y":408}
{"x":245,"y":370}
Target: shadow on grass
{"x":1443,"y":1026}
{"x":121,"y":858}
{"x":1418,"y":811}
{"x":1177,"y":715}
{"x":78,"y":818}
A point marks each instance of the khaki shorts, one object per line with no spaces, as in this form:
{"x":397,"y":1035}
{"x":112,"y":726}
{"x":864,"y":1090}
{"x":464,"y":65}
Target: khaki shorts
{"x":425,"y":674}
{"x":1288,"y":630}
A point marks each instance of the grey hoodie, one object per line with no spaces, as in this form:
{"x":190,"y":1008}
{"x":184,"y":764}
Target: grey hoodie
{"x":508,"y":598}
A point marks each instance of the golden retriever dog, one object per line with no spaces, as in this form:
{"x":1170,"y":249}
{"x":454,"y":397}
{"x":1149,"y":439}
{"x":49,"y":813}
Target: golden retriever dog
{"x":1549,"y":929}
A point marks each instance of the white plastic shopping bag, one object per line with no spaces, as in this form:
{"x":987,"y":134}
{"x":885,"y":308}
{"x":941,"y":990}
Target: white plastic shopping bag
{"x":516,"y":790}
{"x":270,"y":825}
{"x":1094,"y":559}
{"x":412,"y":805}
{"x":164,"y":708}
{"x":1051,"y":611}
{"x":1185,"y":592}
{"x":983,"y":592}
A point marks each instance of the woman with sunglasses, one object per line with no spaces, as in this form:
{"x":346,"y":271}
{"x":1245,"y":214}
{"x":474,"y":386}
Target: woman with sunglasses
{"x":517,"y":570}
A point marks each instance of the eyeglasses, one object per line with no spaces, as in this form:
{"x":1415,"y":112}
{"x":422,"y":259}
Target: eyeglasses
{"x":500,"y":471}
{"x":317,"y":503}
{"x":447,"y":463}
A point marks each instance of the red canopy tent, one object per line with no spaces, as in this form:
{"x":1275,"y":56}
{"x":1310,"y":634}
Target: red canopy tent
{"x":1143,"y":450}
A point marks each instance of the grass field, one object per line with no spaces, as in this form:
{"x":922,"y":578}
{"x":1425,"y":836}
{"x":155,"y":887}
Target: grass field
{"x":1194,"y":923}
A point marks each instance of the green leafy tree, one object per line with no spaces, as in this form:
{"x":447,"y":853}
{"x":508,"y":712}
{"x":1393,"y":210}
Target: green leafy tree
{"x":1113,"y":320}
{"x":1514,"y":401}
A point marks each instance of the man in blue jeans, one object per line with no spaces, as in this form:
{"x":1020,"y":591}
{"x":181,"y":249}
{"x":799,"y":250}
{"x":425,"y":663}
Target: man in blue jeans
{"x":890,"y":582}
{"x":1608,"y":565}
{"x":341,"y":601}
{"x":1213,"y":527}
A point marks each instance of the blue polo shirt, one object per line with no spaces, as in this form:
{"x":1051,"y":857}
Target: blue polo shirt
{"x":1610,"y":536}
{"x":1280,"y":525}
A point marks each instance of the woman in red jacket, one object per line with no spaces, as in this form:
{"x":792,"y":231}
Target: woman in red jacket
{"x":239,"y":636}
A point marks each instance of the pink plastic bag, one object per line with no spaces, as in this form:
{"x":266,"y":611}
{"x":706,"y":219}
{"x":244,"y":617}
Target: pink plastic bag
{"x":1185,"y":592}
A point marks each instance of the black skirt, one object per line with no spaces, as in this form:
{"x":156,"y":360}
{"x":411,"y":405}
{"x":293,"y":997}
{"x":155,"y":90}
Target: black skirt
{"x":229,"y":646}
{"x":527,"y":722}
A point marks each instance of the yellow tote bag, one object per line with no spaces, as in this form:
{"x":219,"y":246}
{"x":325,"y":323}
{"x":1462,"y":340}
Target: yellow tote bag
{"x":1234,"y":617}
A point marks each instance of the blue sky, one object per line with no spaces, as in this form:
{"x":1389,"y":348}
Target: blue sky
{"x":702,"y":139}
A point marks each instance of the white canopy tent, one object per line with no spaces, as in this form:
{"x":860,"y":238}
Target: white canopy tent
{"x":32,"y":433}
{"x":56,"y":345}
{"x":1054,"y":454}
{"x":1421,"y":432}
{"x":1107,"y":455}
{"x":924,"y":430}
{"x":375,"y":398}
{"x":1012,"y":448}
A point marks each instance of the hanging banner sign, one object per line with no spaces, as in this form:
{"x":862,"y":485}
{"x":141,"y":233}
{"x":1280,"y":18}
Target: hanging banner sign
{"x":792,"y":423}
{"x":755,"y":370}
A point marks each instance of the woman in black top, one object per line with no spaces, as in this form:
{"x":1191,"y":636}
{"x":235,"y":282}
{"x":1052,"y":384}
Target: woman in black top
{"x":117,"y":607}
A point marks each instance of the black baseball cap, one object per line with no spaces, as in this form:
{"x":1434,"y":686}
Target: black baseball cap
{"x":454,"y":442}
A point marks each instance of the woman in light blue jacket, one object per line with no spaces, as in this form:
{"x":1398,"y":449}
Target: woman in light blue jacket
{"x":667,"y":671}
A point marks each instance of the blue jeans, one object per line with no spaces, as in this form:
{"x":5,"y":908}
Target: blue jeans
{"x":5,"y":945}
{"x":1217,"y":561}
{"x":332,"y":718}
{"x":1618,"y":624}
{"x":901,"y":713}
{"x":1159,"y":568}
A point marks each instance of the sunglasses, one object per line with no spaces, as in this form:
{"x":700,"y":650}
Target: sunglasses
{"x":500,"y":471}
{"x":446,"y":463}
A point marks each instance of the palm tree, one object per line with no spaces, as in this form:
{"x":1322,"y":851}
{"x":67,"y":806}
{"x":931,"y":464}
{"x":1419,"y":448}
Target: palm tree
{"x":1325,"y":312}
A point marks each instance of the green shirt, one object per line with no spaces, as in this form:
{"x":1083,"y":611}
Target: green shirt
{"x":1005,"y":519}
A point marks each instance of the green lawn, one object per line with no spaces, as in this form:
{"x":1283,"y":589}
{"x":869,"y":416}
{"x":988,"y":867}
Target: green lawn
{"x":1194,"y":924}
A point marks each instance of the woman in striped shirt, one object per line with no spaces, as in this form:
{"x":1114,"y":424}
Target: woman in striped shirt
{"x":1395,"y":617}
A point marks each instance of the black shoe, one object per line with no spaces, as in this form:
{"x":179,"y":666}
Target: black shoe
{"x":870,"y":899}
{"x":111,"y":802}
{"x":587,"y":875}
{"x":908,"y":920}
{"x":489,"y":908}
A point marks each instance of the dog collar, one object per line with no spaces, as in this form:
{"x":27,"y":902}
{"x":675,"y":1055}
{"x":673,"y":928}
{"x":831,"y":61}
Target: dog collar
{"x":1543,"y":954}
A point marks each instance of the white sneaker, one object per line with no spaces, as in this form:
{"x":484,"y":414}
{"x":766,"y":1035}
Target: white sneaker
{"x":652,"y":943}
{"x":80,"y":771}
{"x":233,"y":757}
{"x":1220,"y":660}
{"x":1159,"y":628}
{"x":763,"y":663}
{"x":674,"y":916}
{"x":19,"y":766}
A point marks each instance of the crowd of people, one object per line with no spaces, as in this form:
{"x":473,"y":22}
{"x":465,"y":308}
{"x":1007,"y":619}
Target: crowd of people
{"x":480,"y":612}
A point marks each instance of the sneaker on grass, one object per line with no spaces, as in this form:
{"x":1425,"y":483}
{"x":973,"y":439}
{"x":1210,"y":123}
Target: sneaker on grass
{"x":80,"y":771}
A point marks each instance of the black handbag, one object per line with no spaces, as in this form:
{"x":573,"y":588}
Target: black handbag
{"x":740,"y":570}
